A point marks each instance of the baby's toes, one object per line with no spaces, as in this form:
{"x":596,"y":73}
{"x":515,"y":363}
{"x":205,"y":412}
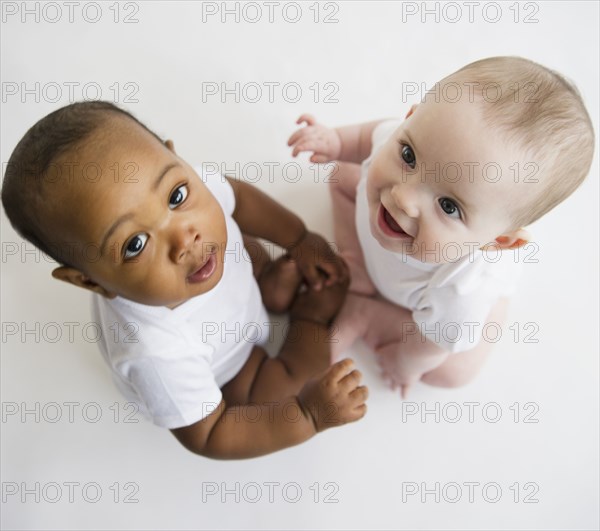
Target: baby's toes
{"x":388,"y":372}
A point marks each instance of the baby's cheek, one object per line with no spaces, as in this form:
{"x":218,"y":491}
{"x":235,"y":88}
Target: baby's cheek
{"x":432,"y":246}
{"x":376,"y":174}
{"x":373,"y":193}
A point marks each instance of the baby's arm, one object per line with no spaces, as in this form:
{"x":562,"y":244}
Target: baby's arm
{"x":351,"y":143}
{"x":244,"y":431}
{"x":261,"y":216}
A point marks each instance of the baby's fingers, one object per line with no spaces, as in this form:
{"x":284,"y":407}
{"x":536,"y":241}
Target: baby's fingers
{"x":336,"y":269}
{"x":359,"y":395}
{"x":338,"y":370}
{"x":404,"y":391}
{"x":309,"y":119}
{"x":359,"y":412}
{"x":297,"y":135}
{"x":319,"y":159}
{"x":312,"y":143}
{"x":356,"y":413}
{"x":313,"y":277}
{"x":331,"y":271}
{"x":351,"y":380}
{"x":300,"y":147}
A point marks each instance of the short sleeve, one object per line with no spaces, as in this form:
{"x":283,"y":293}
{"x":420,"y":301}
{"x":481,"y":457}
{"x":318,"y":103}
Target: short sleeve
{"x":219,"y":187}
{"x":453,"y":321}
{"x":173,"y":392}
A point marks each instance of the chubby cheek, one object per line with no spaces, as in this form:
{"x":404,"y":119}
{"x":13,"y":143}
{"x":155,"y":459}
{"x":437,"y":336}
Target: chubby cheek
{"x":432,"y":240}
{"x":160,"y":284}
{"x":376,"y":178}
{"x":213,"y":229}
{"x":443,"y":245}
{"x":374,"y":192}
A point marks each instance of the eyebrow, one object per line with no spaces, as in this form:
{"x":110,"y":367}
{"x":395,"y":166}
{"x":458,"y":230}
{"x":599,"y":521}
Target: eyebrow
{"x":166,"y":170}
{"x":129,"y":215}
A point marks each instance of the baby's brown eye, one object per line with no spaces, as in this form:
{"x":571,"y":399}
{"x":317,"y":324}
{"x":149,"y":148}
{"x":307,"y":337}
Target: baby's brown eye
{"x":178,"y":196}
{"x":135,"y":246}
{"x":408,"y":155}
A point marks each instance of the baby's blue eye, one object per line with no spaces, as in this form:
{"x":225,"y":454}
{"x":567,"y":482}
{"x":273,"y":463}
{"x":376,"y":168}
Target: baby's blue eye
{"x":450,"y":207}
{"x":178,"y":196}
{"x":135,"y":246}
{"x":408,"y":155}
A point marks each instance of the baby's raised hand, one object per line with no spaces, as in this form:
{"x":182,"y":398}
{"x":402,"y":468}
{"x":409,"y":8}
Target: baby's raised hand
{"x":335,"y":397}
{"x":315,"y":259}
{"x":323,"y":141}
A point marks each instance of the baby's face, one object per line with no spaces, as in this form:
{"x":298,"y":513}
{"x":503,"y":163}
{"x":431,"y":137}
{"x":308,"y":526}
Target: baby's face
{"x":160,"y":233}
{"x":429,"y":190}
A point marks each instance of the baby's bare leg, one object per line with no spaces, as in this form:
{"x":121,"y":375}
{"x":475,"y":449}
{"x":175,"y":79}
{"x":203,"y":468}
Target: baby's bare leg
{"x":408,"y":359}
{"x":307,"y":349}
{"x":305,"y":353}
{"x":248,"y":423}
{"x":374,"y":319}
{"x":278,"y":279}
{"x":342,"y":187}
{"x":459,"y":369}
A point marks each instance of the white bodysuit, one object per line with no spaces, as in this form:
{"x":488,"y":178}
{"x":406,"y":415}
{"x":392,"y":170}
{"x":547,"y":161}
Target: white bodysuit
{"x":449,"y":302}
{"x":172,"y":363}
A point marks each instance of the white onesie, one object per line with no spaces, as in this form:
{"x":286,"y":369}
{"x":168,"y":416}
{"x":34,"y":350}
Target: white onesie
{"x":451,"y":301}
{"x":172,"y":363}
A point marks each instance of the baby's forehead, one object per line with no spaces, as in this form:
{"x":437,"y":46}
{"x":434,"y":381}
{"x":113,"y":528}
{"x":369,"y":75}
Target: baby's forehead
{"x":449,"y":116}
{"x":118,"y":132}
{"x":118,"y":152}
{"x":458,"y":132}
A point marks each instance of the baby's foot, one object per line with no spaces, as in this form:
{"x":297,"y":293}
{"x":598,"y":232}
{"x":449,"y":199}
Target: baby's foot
{"x":395,"y":378}
{"x":279,"y":282}
{"x":320,"y":306}
{"x":387,"y":366}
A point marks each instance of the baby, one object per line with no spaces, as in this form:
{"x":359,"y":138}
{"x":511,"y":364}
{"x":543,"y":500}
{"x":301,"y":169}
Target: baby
{"x":425,"y":220}
{"x":175,"y":291}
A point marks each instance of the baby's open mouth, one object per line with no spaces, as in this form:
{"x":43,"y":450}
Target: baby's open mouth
{"x":389,"y":225}
{"x":205,"y":270}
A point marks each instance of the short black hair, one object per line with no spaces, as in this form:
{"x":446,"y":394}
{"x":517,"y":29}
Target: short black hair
{"x":23,"y":190}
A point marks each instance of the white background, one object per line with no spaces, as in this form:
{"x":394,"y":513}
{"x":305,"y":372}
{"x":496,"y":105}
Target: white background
{"x":368,"y":53}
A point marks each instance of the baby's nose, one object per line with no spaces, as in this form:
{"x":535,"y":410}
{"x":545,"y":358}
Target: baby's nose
{"x":405,"y":198}
{"x":184,"y":240}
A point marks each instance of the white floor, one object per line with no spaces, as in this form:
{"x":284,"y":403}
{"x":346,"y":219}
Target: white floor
{"x":524,"y":452}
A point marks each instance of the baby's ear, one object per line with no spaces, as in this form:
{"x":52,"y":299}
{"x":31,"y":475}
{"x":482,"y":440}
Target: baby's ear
{"x":170,"y":145}
{"x":512,"y":240}
{"x":412,"y":109}
{"x":77,"y":278}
